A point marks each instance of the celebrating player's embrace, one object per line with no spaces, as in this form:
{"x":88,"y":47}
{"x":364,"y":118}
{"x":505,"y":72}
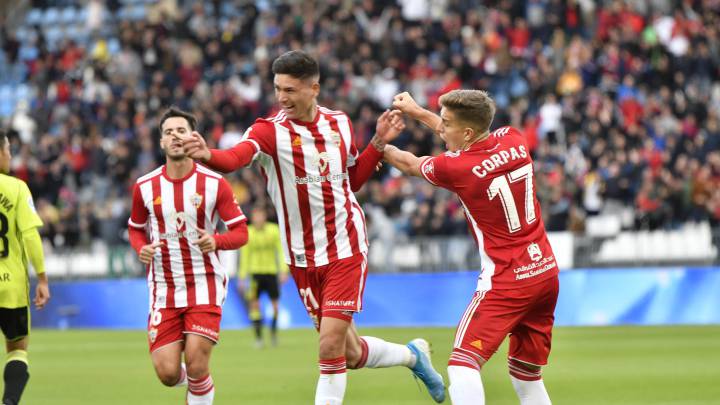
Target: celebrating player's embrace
{"x":178,"y":205}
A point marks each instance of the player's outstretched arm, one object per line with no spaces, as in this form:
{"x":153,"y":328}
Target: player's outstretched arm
{"x":389,"y":126}
{"x":34,"y":249}
{"x":404,"y":161}
{"x":225,"y":161}
{"x":405,"y":103}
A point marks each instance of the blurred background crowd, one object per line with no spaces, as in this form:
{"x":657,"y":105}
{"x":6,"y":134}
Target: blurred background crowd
{"x":619,"y":100}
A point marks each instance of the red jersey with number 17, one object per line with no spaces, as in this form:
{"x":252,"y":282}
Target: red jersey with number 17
{"x":494,"y":181}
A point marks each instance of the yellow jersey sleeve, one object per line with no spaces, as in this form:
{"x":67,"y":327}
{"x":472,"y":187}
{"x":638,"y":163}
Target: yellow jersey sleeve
{"x":27,"y":216}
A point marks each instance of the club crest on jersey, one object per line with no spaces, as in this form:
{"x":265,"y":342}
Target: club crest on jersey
{"x":196,"y":200}
{"x":157,"y":201}
{"x":335,"y":137}
{"x":178,"y":218}
{"x":534,"y":252}
{"x":297,"y":141}
{"x":153,"y":334}
{"x":428,"y":168}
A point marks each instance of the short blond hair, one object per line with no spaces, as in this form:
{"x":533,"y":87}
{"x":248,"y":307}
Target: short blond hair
{"x":472,"y":107}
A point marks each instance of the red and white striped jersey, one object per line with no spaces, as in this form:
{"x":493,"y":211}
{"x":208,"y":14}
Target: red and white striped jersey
{"x":494,"y":181}
{"x":305,"y":165}
{"x":172,"y":211}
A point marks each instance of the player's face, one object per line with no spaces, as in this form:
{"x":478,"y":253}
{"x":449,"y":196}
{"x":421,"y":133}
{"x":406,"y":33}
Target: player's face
{"x":173,"y":129}
{"x":5,"y":158}
{"x":296,"y":96}
{"x":451,"y":130}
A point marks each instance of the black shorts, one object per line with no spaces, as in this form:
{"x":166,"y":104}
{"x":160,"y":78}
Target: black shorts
{"x":260,"y":283}
{"x":15,"y":323}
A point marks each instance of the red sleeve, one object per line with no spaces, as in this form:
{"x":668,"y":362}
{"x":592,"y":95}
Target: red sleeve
{"x":434,"y":170}
{"x":138,"y":238}
{"x":232,"y":216}
{"x":138,"y":212}
{"x":137,"y":221}
{"x":231,"y":159}
{"x":234,"y":238}
{"x":258,"y":138}
{"x":227,"y":206}
{"x":364,"y":167}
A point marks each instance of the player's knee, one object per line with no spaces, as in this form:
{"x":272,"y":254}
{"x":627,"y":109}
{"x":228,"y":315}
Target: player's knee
{"x":168,"y":375}
{"x":331,"y":345}
{"x":524,"y":371}
{"x":197,"y":368}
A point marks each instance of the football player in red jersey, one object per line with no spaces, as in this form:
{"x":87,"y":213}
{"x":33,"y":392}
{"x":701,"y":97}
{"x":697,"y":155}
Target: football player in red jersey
{"x":516,"y":293}
{"x":178,"y":206}
{"x":311,"y":166}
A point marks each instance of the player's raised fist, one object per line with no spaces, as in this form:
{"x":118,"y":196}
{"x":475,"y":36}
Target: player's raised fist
{"x":195,"y":146}
{"x":389,"y":126}
{"x":405,"y":103}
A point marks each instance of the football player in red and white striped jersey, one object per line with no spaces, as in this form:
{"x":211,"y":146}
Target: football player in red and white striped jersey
{"x":492,"y":174}
{"x":172,"y":227}
{"x":312,"y":167}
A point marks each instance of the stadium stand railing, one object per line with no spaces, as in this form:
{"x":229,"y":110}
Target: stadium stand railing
{"x":691,"y":245}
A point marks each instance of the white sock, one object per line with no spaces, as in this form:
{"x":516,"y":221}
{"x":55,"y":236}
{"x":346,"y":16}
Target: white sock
{"x":331,"y":384}
{"x":385,"y":354}
{"x":183,"y":380}
{"x":531,"y":392}
{"x":331,"y":389}
{"x":466,"y":386}
{"x":201,"y":391}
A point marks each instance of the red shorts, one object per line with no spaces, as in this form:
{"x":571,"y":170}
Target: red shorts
{"x":526,"y":314}
{"x":334,"y":290}
{"x":169,"y":325}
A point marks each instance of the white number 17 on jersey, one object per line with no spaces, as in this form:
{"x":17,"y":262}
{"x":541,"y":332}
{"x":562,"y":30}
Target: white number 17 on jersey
{"x":500,"y":186}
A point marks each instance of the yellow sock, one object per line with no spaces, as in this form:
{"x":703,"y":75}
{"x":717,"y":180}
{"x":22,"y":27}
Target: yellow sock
{"x":19,"y":355}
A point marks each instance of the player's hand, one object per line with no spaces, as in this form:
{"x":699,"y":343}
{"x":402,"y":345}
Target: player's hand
{"x":405,"y":103}
{"x":282,"y":278}
{"x":206,"y":243}
{"x":42,"y":294}
{"x":148,"y":251}
{"x":389,"y":126}
{"x":195,"y":147}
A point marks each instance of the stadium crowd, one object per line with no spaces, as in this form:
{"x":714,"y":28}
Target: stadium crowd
{"x":619,"y":100}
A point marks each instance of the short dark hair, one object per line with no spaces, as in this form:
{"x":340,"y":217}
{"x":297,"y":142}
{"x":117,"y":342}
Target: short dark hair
{"x":297,"y":64}
{"x":3,"y":138}
{"x":176,"y":112}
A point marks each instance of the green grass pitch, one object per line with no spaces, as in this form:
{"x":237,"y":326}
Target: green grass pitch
{"x":609,"y":365}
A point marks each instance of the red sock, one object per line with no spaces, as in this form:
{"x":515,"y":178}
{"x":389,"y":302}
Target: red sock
{"x":332,"y":366}
{"x":200,"y":386}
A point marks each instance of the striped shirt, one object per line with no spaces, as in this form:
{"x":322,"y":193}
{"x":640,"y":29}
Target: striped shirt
{"x":305,"y":165}
{"x":173,"y":210}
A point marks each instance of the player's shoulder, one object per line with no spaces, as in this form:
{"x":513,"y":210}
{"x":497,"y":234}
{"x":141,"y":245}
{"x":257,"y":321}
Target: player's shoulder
{"x":508,"y":134}
{"x":9,"y":180}
{"x":265,"y":125}
{"x":149,"y":176}
{"x":13,"y":186}
{"x":328,"y":111}
{"x":208,"y":172}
